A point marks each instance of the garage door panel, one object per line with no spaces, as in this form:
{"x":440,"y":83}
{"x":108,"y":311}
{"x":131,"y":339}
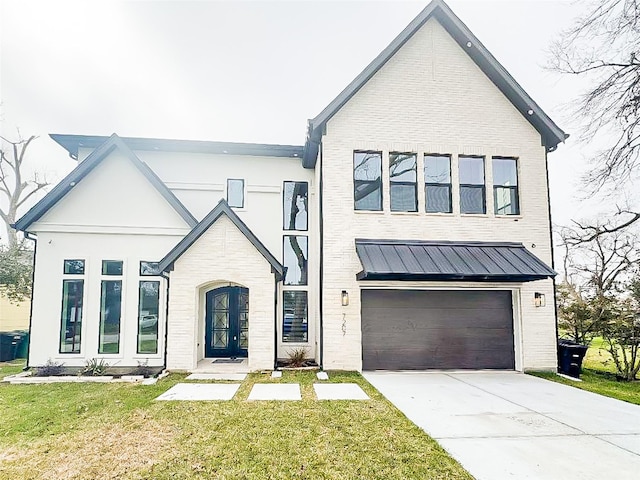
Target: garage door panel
{"x":437,"y":329}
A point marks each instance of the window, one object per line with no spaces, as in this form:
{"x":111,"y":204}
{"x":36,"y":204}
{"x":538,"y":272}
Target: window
{"x":295,"y":325}
{"x":403,"y":182}
{"x":148,"y":315}
{"x":472,"y":193}
{"x":112,"y":267}
{"x":71,"y":324}
{"x":505,"y":186}
{"x":295,"y":201}
{"x":235,"y":192}
{"x":110,"y":305}
{"x":74,"y":267}
{"x":149,"y":269}
{"x":295,"y":253}
{"x":437,"y":183}
{"x":367,"y":180}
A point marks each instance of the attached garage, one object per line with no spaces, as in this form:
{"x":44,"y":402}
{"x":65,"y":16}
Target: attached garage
{"x":439,"y":329}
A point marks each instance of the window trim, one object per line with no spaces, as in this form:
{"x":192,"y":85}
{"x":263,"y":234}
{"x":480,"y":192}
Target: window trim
{"x":62,"y":324}
{"x":431,"y":184}
{"x":515,"y":187}
{"x":138,"y":352}
{"x":379,"y":181}
{"x":244,"y":191}
{"x":482,"y":185}
{"x":284,"y":227}
{"x":405,"y":183}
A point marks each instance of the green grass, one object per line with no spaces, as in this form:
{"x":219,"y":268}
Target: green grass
{"x":118,"y":431}
{"x":602,"y":383}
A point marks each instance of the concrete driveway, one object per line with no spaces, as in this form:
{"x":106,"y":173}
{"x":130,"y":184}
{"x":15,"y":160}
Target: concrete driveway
{"x":507,"y":425}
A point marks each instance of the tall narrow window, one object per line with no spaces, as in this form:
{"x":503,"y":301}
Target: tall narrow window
{"x":235,"y":192}
{"x":110,"y":305}
{"x":295,"y":202}
{"x":295,"y":253}
{"x":71,"y":324}
{"x":437,"y":183}
{"x":505,"y":186}
{"x":367,"y":180}
{"x":295,"y":323}
{"x":472,"y":190}
{"x":148,"y":314}
{"x":402,"y":178}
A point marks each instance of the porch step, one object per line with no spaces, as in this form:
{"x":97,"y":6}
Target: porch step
{"x":236,"y":377}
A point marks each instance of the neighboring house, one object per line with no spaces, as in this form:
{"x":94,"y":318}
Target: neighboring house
{"x":13,"y":315}
{"x":411,"y":231}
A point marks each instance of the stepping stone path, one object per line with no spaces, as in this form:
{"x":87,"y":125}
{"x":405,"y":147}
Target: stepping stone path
{"x":339,"y":391}
{"x":275,"y":391}
{"x":237,"y":377}
{"x":200,"y":391}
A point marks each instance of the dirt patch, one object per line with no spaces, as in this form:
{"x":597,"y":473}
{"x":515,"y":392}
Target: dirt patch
{"x":110,"y":452}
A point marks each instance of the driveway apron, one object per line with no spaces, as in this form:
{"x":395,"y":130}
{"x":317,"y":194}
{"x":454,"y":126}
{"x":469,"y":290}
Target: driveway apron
{"x":503,"y":425}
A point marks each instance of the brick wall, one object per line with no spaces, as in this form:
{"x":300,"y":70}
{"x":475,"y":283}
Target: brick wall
{"x":221,"y":256}
{"x":430,"y":98}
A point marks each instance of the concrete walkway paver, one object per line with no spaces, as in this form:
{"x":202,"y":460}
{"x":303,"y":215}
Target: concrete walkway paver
{"x":200,"y":391}
{"x":339,"y":391}
{"x":275,"y":391}
{"x":509,"y":425}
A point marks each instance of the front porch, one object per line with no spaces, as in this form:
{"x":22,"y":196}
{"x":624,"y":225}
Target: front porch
{"x":222,"y":366}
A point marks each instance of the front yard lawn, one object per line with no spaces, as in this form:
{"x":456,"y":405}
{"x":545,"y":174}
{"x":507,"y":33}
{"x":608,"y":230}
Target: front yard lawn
{"x":94,"y":431}
{"x":600,"y":382}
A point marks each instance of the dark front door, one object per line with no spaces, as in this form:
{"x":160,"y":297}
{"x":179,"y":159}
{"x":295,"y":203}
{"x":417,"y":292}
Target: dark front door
{"x":227,"y":322}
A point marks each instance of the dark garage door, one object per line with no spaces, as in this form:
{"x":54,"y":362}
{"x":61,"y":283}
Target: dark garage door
{"x":417,"y":329}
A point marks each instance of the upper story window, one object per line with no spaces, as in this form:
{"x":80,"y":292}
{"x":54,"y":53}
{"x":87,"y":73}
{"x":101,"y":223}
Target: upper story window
{"x":295,"y":202}
{"x":149,"y":269}
{"x":505,"y":186}
{"x":403,"y":182}
{"x":295,"y":254}
{"x":74,"y":267}
{"x":437,"y":183}
{"x":112,"y":267}
{"x":472,"y":189}
{"x":235,"y":192}
{"x":367,"y":180}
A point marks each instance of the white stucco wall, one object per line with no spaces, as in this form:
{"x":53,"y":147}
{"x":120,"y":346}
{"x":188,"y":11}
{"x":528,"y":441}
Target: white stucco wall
{"x":220,"y":257}
{"x":430,"y":98}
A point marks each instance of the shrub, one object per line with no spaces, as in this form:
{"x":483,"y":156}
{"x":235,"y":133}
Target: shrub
{"x":94,"y":367}
{"x":50,"y":369}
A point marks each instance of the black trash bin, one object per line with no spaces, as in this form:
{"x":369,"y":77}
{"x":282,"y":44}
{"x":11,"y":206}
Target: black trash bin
{"x":570,"y":355}
{"x":8,"y":344}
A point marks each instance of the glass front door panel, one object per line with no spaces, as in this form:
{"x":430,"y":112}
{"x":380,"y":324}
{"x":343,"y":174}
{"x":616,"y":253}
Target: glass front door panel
{"x":220,"y":314}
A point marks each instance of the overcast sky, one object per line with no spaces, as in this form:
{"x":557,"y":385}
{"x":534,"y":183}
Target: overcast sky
{"x":242,"y":71}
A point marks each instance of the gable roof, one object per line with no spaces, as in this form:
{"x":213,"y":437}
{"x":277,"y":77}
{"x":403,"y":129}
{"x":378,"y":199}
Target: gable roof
{"x":552,"y":135}
{"x":71,"y":143}
{"x":82,"y":170}
{"x":222,"y":208}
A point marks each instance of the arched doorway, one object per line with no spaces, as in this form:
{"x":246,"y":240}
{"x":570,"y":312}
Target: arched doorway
{"x":227,"y":322}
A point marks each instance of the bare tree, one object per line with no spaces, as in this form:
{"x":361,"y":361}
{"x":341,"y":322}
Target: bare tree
{"x":603,"y":47}
{"x":16,"y":189}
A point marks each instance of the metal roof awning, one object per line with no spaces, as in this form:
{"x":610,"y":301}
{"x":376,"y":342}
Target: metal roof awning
{"x":449,"y":261}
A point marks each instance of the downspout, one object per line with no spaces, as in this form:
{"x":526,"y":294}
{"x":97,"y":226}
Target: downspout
{"x":321,"y":360}
{"x":275,"y":321}
{"x":555,"y":296}
{"x":166,"y":320}
{"x":33,"y":278}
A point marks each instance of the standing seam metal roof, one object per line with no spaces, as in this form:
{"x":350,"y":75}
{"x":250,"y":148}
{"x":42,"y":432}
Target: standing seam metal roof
{"x":440,"y":260}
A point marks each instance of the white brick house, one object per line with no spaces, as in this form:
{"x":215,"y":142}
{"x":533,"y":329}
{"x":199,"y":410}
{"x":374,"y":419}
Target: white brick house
{"x":411,"y":231}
